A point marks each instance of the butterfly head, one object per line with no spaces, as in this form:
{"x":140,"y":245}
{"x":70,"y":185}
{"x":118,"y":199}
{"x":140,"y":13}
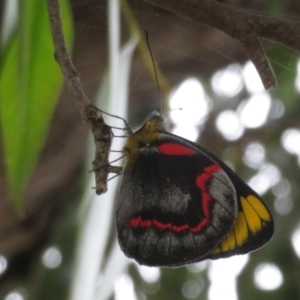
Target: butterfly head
{"x":146,"y":135}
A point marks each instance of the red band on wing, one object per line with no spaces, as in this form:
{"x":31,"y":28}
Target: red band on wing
{"x":175,"y":149}
{"x":200,"y":226}
{"x":161,"y":225}
{"x":139,"y":222}
{"x":205,"y":200}
{"x":201,"y":182}
{"x":212,"y":168}
{"x":206,"y":175}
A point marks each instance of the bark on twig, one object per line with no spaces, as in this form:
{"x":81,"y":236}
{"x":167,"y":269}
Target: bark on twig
{"x":247,"y":27}
{"x":91,"y":115}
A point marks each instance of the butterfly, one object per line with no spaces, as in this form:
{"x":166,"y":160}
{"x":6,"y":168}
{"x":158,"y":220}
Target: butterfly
{"x":178,"y":203}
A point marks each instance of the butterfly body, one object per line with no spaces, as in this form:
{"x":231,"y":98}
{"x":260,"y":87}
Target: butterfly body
{"x":179,"y":204}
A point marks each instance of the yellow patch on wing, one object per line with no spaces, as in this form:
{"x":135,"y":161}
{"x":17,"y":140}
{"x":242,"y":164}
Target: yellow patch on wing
{"x":252,"y":218}
{"x":236,"y":237}
{"x":258,"y":206}
{"x":250,"y":221}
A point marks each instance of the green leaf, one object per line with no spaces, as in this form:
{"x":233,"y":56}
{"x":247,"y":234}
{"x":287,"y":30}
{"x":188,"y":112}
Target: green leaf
{"x":30,"y":82}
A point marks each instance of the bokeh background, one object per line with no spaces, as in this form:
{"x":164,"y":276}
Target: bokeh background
{"x":225,"y":108}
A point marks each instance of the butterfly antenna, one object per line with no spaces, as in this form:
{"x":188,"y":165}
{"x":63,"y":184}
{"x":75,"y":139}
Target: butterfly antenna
{"x":155,"y":73}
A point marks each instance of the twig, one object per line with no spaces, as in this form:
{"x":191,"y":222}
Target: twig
{"x":247,"y":27}
{"x":91,"y":115}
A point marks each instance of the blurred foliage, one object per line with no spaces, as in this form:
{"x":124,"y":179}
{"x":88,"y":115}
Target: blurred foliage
{"x":29,"y":86}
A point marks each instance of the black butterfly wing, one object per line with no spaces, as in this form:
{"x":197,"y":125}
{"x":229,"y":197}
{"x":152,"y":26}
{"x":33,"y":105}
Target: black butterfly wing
{"x":175,"y":204}
{"x":254,"y":224}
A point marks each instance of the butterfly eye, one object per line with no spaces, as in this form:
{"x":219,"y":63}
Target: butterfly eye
{"x":142,"y":145}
